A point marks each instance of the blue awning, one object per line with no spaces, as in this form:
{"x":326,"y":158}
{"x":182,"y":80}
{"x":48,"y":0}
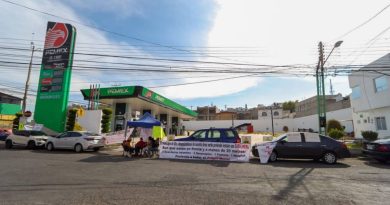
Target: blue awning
{"x":146,"y":121}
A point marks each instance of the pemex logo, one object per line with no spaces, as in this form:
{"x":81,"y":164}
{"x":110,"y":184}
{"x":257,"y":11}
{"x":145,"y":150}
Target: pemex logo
{"x":56,"y":36}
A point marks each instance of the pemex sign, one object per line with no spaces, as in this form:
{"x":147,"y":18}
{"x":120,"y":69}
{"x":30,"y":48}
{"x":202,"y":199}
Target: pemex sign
{"x":54,"y":80}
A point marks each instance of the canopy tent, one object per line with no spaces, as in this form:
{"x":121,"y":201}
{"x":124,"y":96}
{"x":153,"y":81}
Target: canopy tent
{"x":146,"y":121}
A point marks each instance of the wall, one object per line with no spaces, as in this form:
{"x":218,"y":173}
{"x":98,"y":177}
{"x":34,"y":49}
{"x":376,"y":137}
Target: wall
{"x":366,"y":121}
{"x":9,"y":109}
{"x":91,"y":121}
{"x":264,"y":124}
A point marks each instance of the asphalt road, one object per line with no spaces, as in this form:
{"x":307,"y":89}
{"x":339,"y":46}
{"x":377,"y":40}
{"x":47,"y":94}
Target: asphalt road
{"x":64,"y":177}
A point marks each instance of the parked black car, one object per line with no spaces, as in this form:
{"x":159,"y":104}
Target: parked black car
{"x":305,"y":145}
{"x":379,"y":150}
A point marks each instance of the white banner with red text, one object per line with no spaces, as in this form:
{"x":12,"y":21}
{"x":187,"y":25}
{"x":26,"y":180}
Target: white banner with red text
{"x":265,"y":151}
{"x":204,"y":151}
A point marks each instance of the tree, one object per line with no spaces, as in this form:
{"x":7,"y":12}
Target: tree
{"x":370,"y":135}
{"x":289,"y":105}
{"x":333,"y":124}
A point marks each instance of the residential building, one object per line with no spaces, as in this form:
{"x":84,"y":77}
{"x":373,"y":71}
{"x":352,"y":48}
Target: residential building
{"x":207,"y":112}
{"x":226,"y":115}
{"x":9,"y":105}
{"x":370,"y":98}
{"x":309,"y":106}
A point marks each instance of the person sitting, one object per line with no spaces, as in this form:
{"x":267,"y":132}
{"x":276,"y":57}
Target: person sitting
{"x":127,"y":149}
{"x":152,"y":147}
{"x":139,"y":146}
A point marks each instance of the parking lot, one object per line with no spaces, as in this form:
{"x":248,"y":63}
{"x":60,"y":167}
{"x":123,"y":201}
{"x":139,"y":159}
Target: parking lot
{"x":105,"y":177}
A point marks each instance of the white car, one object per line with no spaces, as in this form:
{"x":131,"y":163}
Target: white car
{"x":27,"y":138}
{"x":76,"y":140}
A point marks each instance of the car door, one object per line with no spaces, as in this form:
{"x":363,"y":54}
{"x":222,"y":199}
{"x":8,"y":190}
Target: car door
{"x":21,"y":137}
{"x":311,"y":146}
{"x":214,"y":136}
{"x":60,"y":140}
{"x":290,"y":146}
{"x":73,"y":138}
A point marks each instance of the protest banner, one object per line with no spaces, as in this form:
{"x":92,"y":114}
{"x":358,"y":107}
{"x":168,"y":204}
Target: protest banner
{"x":204,"y":151}
{"x":265,"y":151}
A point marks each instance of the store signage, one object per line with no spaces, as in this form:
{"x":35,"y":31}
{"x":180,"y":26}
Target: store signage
{"x":55,"y":75}
{"x":118,"y":91}
{"x":204,"y":151}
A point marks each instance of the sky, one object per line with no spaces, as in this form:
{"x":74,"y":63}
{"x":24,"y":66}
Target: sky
{"x":233,"y":34}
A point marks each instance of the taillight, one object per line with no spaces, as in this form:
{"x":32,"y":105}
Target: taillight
{"x":238,"y":140}
{"x":383,"y":148}
{"x":343,"y":145}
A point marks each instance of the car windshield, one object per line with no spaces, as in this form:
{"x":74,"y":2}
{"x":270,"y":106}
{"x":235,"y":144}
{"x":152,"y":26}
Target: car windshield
{"x":278,"y":138}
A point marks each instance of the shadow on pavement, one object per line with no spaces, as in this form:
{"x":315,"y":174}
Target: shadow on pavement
{"x":374,"y":163}
{"x":301,"y":164}
{"x":294,"y":181}
{"x":99,"y":158}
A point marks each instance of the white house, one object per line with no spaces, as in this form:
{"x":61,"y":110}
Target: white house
{"x":370,"y":98}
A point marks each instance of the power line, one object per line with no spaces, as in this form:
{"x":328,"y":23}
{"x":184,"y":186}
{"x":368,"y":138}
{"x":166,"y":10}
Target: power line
{"x":365,"y":22}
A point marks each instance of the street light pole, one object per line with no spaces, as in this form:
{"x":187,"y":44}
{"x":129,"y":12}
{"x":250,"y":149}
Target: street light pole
{"x":320,"y":80}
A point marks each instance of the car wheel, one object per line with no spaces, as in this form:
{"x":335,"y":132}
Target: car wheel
{"x":31,"y":145}
{"x":330,"y":158}
{"x":50,"y":146}
{"x":96,"y":149}
{"x":78,"y":148}
{"x":8,"y":144}
{"x":273,"y":157}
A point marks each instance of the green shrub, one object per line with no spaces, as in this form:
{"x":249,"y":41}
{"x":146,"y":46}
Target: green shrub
{"x":370,"y":135}
{"x":333,"y":124}
{"x":106,"y":119}
{"x":336,"y":134}
{"x":15,"y":122}
{"x":71,"y":121}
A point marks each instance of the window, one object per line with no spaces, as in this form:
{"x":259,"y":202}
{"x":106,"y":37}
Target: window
{"x":230,"y":134}
{"x":380,"y":84}
{"x":294,"y":137}
{"x":200,"y":134}
{"x":264,"y":114}
{"x":380,"y":123}
{"x":312,"y":137}
{"x":356,"y":92}
{"x":276,"y":113}
{"x":75,"y":134}
{"x":215,"y":134}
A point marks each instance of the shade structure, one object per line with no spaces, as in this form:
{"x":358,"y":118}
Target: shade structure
{"x":146,"y":121}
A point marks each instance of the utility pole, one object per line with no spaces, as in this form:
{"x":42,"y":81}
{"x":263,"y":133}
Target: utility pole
{"x":320,"y":79}
{"x":272,"y":121}
{"x":331,"y":87}
{"x":321,"y":106}
{"x":28,"y":79}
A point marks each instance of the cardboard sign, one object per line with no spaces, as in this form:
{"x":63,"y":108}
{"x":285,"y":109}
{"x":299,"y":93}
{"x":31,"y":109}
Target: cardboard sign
{"x":204,"y":151}
{"x":265,"y":151}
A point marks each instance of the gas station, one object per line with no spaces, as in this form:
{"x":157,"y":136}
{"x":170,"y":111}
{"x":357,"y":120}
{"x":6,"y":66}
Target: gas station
{"x":130,"y":102}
